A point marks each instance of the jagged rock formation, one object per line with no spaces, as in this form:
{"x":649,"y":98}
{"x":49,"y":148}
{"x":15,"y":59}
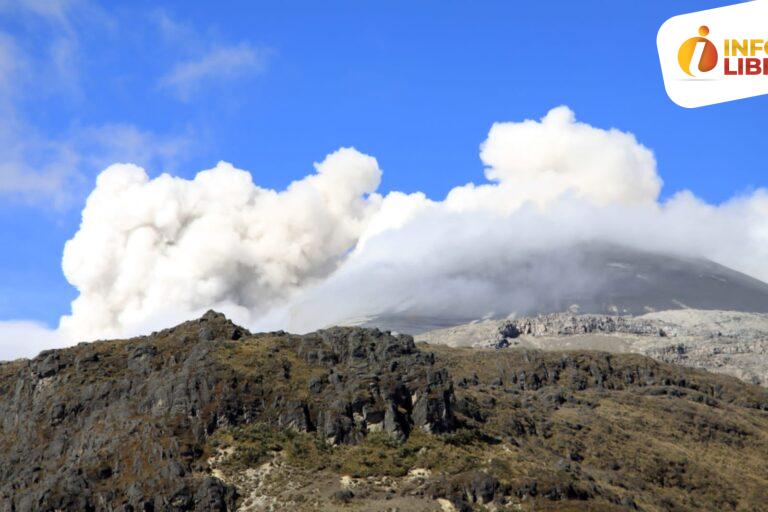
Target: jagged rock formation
{"x":207,"y":416}
{"x":563,"y":324}
{"x":728,"y":342}
{"x":123,"y":425}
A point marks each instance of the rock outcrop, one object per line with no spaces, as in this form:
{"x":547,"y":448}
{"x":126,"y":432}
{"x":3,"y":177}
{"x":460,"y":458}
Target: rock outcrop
{"x":564,"y":324}
{"x":207,"y":416}
{"x":123,"y":425}
{"x":730,"y":342}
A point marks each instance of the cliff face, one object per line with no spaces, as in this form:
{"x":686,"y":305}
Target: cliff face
{"x":207,"y":416}
{"x":123,"y":425}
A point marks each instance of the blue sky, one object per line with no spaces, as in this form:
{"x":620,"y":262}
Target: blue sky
{"x":275,"y":86}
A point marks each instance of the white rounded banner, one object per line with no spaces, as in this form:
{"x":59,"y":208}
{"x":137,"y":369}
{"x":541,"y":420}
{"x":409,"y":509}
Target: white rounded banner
{"x":716,"y":55}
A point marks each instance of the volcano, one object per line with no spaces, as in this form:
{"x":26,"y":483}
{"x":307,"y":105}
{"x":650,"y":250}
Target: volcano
{"x":594,"y":279}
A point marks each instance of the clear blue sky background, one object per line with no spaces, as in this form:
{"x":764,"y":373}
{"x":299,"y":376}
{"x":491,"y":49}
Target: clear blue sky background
{"x":275,"y":86}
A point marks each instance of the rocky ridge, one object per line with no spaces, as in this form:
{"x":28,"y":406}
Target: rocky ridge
{"x":208,"y":416}
{"x":123,"y":425}
{"x":728,"y":342}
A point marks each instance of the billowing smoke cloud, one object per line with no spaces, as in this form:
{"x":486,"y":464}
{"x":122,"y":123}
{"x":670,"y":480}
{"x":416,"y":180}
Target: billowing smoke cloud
{"x":329,"y":249}
{"x":153,"y":251}
{"x":540,"y":162}
{"x":481,"y":263}
{"x":508,"y":246}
